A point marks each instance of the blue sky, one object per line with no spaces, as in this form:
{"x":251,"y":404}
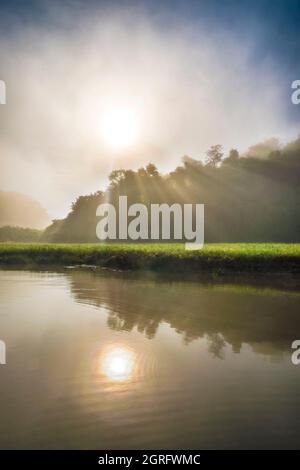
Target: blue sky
{"x":273,"y":27}
{"x":276,"y":22}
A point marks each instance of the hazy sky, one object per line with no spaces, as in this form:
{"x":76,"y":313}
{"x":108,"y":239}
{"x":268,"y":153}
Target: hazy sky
{"x":192,"y":74}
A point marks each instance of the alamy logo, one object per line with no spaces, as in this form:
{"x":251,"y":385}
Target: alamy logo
{"x":2,"y":92}
{"x":183,"y":222}
{"x":2,"y":353}
{"x":296,"y":94}
{"x":296,"y":353}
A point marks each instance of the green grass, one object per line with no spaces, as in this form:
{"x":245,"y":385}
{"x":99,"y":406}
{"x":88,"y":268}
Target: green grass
{"x":227,"y":257}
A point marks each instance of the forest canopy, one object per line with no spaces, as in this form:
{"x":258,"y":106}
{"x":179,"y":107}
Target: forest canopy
{"x":250,"y":198}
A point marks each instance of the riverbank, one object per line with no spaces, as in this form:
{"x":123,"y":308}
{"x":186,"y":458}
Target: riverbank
{"x":214,"y":258}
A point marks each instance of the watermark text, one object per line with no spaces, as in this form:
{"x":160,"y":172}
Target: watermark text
{"x":2,"y":92}
{"x":295,"y":97}
{"x":2,"y":353}
{"x":296,"y":354}
{"x":183,"y":222}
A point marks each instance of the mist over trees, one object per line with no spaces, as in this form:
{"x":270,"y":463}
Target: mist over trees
{"x":17,"y":209}
{"x":253,"y":198}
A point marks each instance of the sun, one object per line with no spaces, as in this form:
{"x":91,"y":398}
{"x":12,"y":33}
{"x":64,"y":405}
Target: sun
{"x":120,"y":127}
{"x":118,"y":363}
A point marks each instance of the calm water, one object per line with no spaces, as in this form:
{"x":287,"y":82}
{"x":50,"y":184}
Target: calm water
{"x":109,"y":361}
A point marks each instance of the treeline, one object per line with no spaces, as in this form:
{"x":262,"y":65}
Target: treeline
{"x":19,"y":234}
{"x":247,"y":198}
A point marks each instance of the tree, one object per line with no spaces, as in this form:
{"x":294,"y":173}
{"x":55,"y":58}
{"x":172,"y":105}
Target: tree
{"x":233,"y":156}
{"x":214,"y":155}
{"x":191,"y":162}
{"x":116,"y":176}
{"x":152,"y":170}
{"x":142,"y":173}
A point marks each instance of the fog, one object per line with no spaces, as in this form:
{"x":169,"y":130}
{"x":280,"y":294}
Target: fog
{"x":189,"y":86}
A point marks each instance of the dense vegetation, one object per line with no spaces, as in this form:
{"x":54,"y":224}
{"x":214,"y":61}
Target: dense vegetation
{"x":248,"y":198}
{"x":19,"y":234}
{"x":217,"y":258}
{"x":253,"y":198}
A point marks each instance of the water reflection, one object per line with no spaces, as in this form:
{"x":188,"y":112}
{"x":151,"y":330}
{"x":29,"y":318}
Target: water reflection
{"x":104,"y":361}
{"x":117,"y":363}
{"x":222,"y":315}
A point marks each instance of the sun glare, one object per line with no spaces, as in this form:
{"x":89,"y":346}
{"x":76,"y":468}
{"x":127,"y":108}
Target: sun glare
{"x":118,"y":364}
{"x":120,"y":127}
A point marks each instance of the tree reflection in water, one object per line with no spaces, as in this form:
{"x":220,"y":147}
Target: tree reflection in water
{"x":266,"y":319}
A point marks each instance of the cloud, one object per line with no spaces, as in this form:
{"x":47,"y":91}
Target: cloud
{"x":191,"y":87}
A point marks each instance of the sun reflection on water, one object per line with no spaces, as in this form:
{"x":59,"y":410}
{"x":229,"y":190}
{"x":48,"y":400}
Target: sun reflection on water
{"x":117,"y":363}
